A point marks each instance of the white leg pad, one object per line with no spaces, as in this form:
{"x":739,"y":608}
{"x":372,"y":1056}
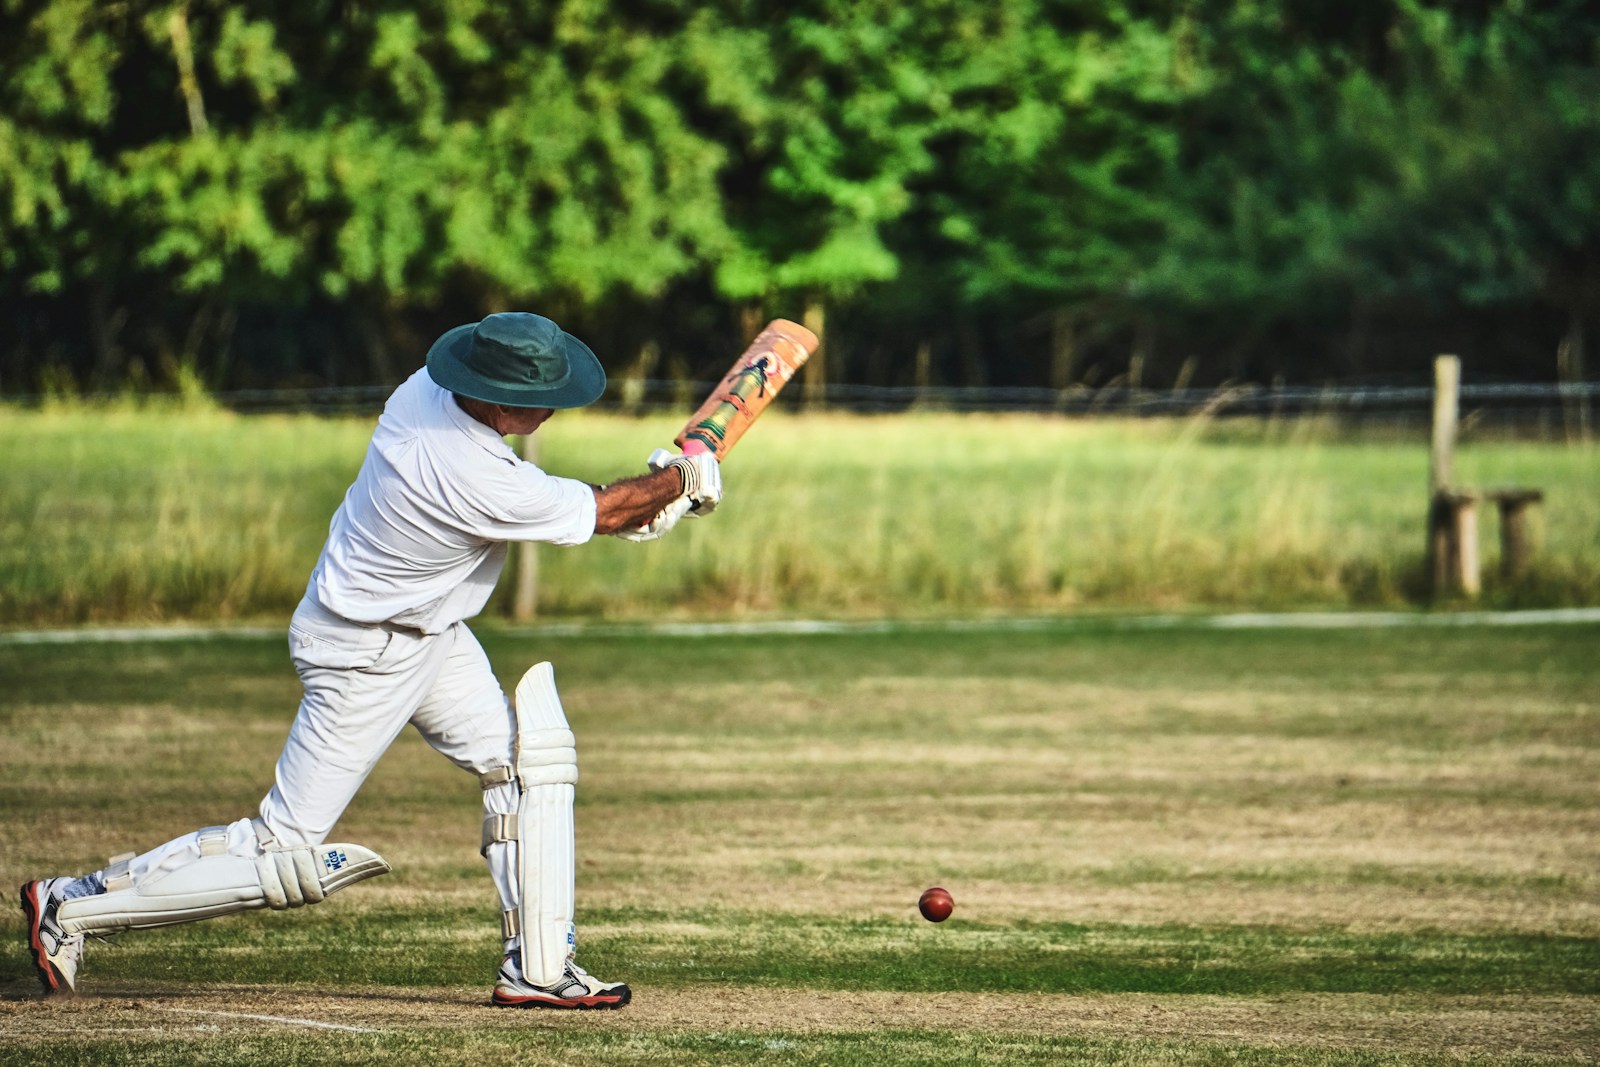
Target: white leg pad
{"x":547,"y":771}
{"x":218,"y":883}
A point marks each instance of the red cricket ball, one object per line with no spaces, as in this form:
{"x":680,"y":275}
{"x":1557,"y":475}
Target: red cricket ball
{"x":936,"y":904}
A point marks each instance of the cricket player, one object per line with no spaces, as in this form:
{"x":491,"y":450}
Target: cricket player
{"x":380,"y":640}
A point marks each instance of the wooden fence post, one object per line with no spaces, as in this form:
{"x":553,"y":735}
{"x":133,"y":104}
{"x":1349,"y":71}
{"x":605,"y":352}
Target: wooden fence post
{"x":1444,"y":518}
{"x":1467,"y":576}
{"x":525,"y":599}
{"x":1516,"y":539}
{"x":1446,"y":404}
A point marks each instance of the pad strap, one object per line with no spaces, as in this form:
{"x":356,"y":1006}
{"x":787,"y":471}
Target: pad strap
{"x":498,"y":828}
{"x":498,"y":776}
{"x":117,"y":874}
{"x":212,"y":840}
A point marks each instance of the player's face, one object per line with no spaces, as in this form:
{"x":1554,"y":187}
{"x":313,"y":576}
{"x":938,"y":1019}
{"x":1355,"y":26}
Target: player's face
{"x":522,"y":420}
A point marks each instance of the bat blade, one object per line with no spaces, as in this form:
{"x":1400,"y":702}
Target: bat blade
{"x":748,"y":387}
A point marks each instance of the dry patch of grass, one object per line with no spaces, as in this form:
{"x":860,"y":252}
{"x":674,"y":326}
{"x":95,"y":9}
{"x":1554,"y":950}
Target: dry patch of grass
{"x":1033,"y":799}
{"x":1564,"y":1027}
{"x":1124,"y":809}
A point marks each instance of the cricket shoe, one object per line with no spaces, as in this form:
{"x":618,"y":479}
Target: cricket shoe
{"x":576,"y":988}
{"x":56,"y":953}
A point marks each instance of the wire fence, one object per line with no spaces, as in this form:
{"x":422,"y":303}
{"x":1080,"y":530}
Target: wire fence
{"x":1540,"y":408}
{"x":1558,"y":409}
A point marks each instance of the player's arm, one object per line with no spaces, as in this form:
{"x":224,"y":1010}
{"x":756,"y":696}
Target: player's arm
{"x":634,"y":502}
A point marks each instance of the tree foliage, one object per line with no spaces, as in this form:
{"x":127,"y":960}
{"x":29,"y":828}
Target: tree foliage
{"x":255,"y":194}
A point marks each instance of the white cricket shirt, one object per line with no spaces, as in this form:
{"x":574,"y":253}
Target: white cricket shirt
{"x":421,"y":536}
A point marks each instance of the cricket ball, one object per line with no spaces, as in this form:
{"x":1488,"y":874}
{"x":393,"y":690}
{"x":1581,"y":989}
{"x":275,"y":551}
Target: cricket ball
{"x":936,"y":904}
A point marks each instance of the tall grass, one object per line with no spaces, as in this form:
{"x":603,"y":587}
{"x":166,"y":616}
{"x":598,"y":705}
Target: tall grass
{"x":138,"y":513}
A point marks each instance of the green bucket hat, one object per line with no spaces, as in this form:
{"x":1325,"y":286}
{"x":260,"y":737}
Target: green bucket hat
{"x":518,"y":359}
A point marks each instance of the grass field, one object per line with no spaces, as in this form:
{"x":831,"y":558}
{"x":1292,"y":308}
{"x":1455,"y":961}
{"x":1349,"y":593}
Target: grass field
{"x":117,"y":514}
{"x":1173,"y":846}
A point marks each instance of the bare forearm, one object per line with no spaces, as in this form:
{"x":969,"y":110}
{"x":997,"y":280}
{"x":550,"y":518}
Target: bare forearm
{"x":633,"y":502}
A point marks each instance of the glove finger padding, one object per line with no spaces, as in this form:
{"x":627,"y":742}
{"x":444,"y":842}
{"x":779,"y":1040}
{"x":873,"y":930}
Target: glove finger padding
{"x":702,"y":478}
{"x":702,"y":481}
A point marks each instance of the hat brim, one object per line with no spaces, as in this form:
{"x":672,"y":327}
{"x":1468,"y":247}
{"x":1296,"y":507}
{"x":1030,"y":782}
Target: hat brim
{"x":447,"y":367}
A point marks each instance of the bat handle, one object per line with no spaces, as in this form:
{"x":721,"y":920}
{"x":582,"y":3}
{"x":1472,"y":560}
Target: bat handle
{"x":693,"y":447}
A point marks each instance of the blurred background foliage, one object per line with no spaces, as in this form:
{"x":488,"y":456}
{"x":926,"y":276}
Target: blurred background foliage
{"x":1033,"y":192}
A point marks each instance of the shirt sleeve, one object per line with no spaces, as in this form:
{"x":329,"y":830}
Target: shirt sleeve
{"x":526,"y":504}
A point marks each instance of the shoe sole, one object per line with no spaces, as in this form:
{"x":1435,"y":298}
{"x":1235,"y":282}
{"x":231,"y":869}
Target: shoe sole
{"x":598,"y":1002}
{"x":49,"y":977}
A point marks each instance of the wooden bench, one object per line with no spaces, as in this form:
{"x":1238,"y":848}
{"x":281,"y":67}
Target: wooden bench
{"x":1453,"y":536}
{"x":1453,"y":513}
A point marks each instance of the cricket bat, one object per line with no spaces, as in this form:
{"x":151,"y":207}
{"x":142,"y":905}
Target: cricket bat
{"x":748,"y":387}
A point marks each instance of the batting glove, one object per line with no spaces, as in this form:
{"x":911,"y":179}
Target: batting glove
{"x":657,"y":527}
{"x":702,"y":478}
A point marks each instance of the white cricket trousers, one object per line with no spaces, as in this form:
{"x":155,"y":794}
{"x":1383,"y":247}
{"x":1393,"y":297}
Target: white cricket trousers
{"x":363,"y":684}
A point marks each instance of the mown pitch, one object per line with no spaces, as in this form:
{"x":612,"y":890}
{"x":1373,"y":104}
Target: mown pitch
{"x":1165,"y":846}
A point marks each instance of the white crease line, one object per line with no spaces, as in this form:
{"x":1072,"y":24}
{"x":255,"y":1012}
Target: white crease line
{"x":1288,"y":620}
{"x":1284,"y":620}
{"x":1388,"y":619}
{"x":275,"y":1019}
{"x":134,"y":633}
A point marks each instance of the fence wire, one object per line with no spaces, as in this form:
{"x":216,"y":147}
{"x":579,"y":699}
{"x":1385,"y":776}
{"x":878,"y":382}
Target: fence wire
{"x":1560,"y":408}
{"x":1542,"y":408}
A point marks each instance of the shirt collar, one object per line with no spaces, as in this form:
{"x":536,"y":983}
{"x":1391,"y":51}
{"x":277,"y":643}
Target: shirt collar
{"x":479,"y":433}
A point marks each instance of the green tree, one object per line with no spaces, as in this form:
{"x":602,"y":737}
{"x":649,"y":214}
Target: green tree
{"x":1413,"y":159}
{"x":534,"y":148}
{"x":1055,"y":185}
{"x":56,"y":100}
